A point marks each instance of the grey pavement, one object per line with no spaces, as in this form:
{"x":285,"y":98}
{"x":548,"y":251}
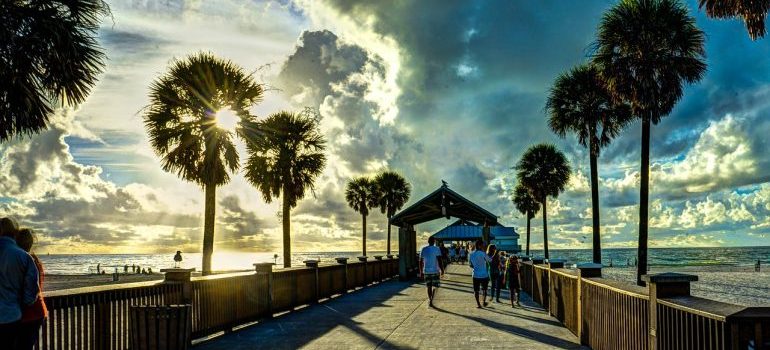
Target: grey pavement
{"x":395,"y":315}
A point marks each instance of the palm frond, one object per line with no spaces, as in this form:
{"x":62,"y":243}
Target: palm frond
{"x":752,"y":12}
{"x":544,"y":170}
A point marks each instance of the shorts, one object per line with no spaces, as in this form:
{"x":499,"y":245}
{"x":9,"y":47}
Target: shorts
{"x":482,"y":283}
{"x":433,"y":279}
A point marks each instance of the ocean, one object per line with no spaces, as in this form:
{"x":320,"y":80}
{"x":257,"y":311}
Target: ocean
{"x":726,"y":258}
{"x":81,"y":264}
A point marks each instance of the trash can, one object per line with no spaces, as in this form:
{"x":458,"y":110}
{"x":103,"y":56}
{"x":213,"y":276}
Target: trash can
{"x":160,"y":327}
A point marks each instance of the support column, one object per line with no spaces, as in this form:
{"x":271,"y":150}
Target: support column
{"x":584,"y":270}
{"x":180,"y":276}
{"x":267,"y":270}
{"x":664,"y":285}
{"x":413,"y":252}
{"x":403,"y":255}
{"x":364,"y":259}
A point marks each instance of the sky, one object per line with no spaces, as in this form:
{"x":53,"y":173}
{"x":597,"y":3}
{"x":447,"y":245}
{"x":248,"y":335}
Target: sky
{"x":434,"y":90}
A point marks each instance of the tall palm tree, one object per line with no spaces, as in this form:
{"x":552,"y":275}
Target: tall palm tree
{"x":752,"y":12}
{"x":187,"y":132}
{"x":646,"y":51}
{"x":285,"y":158}
{"x":392,"y":193}
{"x":526,"y":204}
{"x":579,"y":103}
{"x":361,"y":195}
{"x":544,"y":170}
{"x":49,"y":58}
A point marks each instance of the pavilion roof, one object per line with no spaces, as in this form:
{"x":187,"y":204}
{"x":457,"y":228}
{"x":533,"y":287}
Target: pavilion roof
{"x":446,"y":203}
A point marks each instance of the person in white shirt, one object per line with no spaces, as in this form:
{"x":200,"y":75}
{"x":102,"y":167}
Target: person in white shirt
{"x":431,"y":268}
{"x":478,"y":262}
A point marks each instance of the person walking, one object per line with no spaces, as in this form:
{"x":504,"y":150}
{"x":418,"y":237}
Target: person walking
{"x":19,"y":285}
{"x":33,"y":316}
{"x":494,"y":272}
{"x":512,"y":281}
{"x":478,"y":262}
{"x":462,"y":254}
{"x":430,"y":267}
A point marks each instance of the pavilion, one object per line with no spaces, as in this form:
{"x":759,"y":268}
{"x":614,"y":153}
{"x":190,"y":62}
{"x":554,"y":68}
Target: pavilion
{"x":441,"y":203}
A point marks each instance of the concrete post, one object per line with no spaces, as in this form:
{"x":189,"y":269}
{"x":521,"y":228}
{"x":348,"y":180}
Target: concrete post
{"x":267,"y":269}
{"x":344,"y":261}
{"x":664,"y":285}
{"x":314,"y":265}
{"x":584,"y":270}
{"x":180,"y":276}
{"x":403,"y":264}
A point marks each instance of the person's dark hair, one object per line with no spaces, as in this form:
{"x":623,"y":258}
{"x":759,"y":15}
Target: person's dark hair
{"x":8,"y":227}
{"x":479,"y":245}
{"x":25,"y":239}
{"x":491,"y":249}
{"x":431,"y":240}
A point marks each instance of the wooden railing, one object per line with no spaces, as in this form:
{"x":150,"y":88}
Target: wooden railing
{"x":97,"y":317}
{"x":607,"y":314}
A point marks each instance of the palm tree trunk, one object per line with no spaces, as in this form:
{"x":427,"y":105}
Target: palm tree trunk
{"x":208,"y":227}
{"x":595,"y":202}
{"x":286,"y":230}
{"x":529,"y":218}
{"x":364,"y":240}
{"x":388,"y":235}
{"x":545,"y":226}
{"x":644,"y":192}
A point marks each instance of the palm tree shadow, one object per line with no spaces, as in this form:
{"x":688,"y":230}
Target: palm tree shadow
{"x":523,"y":332}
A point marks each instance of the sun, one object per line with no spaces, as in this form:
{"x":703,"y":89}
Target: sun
{"x":226,"y":119}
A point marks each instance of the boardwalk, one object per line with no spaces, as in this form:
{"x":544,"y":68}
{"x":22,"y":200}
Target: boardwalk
{"x":396,"y":315}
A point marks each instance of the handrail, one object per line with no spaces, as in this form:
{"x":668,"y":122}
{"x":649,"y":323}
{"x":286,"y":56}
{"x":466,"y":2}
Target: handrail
{"x":620,"y":287}
{"x":704,"y":307}
{"x":565,"y":272}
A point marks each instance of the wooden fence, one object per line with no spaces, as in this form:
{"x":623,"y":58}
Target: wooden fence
{"x":608,"y":314}
{"x":97,"y":317}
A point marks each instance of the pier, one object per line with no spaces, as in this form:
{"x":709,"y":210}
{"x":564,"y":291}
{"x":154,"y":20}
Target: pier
{"x":363,"y":305}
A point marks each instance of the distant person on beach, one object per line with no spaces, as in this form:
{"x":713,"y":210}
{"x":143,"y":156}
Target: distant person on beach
{"x":149,"y":270}
{"x":19,"y":286}
{"x":463,"y":253}
{"x":494,"y":271}
{"x":125,"y":269}
{"x":431,"y":268}
{"x":33,"y":316}
{"x":758,"y":266}
{"x":478,"y":262}
{"x":511,"y":279}
{"x":138,"y":269}
{"x":98,"y":268}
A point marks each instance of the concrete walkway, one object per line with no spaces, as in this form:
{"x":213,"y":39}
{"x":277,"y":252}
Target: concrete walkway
{"x":395,"y":315}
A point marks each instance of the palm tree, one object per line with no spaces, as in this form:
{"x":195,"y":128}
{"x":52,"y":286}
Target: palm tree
{"x":646,"y":51}
{"x":49,"y":58}
{"x":752,"y":12}
{"x":361,"y":195}
{"x":526,"y":204}
{"x":544,"y":170}
{"x":285,"y":158}
{"x":580,"y":103}
{"x":393,"y":192}
{"x":185,"y":121}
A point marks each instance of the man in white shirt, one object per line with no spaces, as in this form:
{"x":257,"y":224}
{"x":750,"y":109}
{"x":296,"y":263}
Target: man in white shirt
{"x":430,"y":268}
{"x":478,"y":262}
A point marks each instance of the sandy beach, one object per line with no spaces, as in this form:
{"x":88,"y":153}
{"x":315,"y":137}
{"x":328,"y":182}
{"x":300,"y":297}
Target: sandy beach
{"x":735,"y":285}
{"x":57,"y":282}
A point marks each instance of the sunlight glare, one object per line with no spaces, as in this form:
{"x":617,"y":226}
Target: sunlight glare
{"x":226,"y":119}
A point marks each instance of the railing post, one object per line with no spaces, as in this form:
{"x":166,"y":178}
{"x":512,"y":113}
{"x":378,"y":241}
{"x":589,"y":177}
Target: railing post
{"x":378,"y":268}
{"x":363,"y":259}
{"x":180,"y":276}
{"x":344,"y":261}
{"x":584,"y":270}
{"x":664,"y":285}
{"x":314,"y":265}
{"x":552,"y":264}
{"x":266,"y":269}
